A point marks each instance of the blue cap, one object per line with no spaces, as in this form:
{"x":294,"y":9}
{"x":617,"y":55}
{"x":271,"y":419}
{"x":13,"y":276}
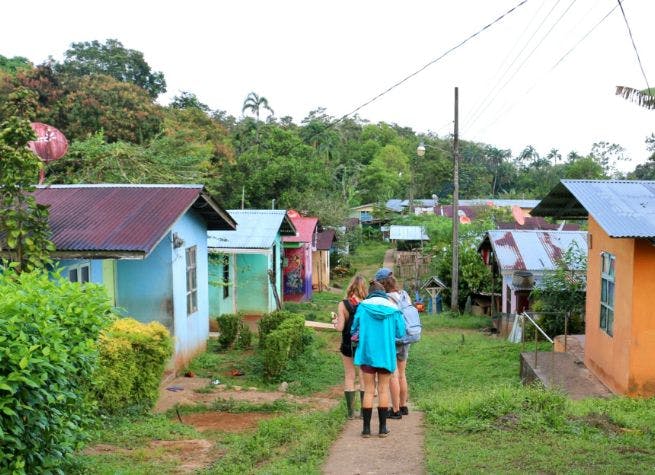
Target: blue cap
{"x":382,"y":273}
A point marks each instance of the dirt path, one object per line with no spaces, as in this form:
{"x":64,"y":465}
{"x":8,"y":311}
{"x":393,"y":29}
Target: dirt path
{"x":401,"y":452}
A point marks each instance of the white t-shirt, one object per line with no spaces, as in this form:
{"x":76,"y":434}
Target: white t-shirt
{"x":398,"y":296}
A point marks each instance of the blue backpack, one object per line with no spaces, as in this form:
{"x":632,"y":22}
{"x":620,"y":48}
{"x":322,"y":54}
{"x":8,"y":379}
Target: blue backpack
{"x":412,"y":319}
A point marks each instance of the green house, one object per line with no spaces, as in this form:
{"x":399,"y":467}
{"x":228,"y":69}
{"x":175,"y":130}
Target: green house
{"x":245,"y":266}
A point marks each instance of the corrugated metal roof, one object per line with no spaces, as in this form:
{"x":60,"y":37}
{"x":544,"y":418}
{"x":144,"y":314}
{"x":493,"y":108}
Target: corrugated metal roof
{"x":306,"y":226}
{"x":623,"y":208}
{"x":501,"y":203}
{"x":394,"y":205}
{"x":407,"y":233}
{"x":256,"y":229}
{"x":324,"y":239}
{"x":122,"y":218}
{"x":536,"y":250}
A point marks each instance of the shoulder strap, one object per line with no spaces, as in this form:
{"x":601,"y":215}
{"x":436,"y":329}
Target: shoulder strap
{"x":349,"y":307}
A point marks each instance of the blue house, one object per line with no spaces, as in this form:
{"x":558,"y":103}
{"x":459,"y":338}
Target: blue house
{"x":147,"y":244}
{"x":243,"y":264}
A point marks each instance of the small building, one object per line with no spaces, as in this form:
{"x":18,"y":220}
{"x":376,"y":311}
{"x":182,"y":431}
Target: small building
{"x":419,"y":205}
{"x":619,"y":324}
{"x":407,"y":237}
{"x":522,"y":258}
{"x":297,"y":266}
{"x":147,"y":244}
{"x":321,"y":259}
{"x":245,"y":265}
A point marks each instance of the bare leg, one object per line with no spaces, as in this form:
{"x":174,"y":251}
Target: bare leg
{"x":383,"y":389}
{"x":348,"y":373}
{"x":402,"y":383}
{"x":395,"y":390}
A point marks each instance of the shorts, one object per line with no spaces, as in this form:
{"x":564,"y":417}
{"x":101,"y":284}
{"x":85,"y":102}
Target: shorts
{"x":402,"y":351}
{"x":372,"y":370}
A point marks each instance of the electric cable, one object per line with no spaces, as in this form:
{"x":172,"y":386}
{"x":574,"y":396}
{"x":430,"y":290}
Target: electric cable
{"x":634,"y":46}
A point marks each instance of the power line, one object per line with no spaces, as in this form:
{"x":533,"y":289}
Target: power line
{"x":543,"y":38}
{"x":634,"y":46}
{"x":415,"y":73}
{"x":513,"y":104}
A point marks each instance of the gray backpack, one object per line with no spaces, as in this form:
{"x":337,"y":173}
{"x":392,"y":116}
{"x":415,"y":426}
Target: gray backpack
{"x":412,"y":319}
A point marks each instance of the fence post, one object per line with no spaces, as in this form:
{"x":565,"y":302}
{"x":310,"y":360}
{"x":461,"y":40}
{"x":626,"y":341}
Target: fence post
{"x":566,"y":329}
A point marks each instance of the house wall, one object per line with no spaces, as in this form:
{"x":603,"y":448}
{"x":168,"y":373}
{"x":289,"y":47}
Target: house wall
{"x":641,"y":381}
{"x":608,"y":357}
{"x":218,"y":304}
{"x":253,"y":288}
{"x":191,"y":330}
{"x":321,"y":269}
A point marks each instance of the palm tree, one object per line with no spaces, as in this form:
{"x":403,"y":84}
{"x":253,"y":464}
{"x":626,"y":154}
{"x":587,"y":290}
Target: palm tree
{"x":644,"y":98}
{"x":254,"y":103}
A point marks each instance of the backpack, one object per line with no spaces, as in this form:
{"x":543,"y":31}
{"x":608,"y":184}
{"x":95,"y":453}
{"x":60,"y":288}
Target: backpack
{"x":412,"y":319}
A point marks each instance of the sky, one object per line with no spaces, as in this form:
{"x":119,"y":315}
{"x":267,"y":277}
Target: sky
{"x":544,"y":75}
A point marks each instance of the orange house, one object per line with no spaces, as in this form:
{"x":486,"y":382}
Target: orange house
{"x":620,"y":309}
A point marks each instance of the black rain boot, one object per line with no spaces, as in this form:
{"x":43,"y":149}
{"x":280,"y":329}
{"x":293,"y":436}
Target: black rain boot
{"x":367,"y":412}
{"x":350,"y":403}
{"x":361,"y":404}
{"x":382,"y":417}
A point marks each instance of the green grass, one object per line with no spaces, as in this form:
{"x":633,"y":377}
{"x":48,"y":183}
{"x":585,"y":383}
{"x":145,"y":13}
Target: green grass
{"x":479,"y":418}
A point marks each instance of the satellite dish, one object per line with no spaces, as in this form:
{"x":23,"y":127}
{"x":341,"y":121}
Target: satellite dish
{"x":50,"y":144}
{"x":490,"y":203}
{"x":517,"y":212}
{"x":292,"y":213}
{"x":464,"y":219}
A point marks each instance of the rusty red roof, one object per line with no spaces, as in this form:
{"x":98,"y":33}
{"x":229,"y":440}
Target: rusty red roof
{"x":305,"y":226}
{"x":106,"y":220}
{"x":325,"y":239}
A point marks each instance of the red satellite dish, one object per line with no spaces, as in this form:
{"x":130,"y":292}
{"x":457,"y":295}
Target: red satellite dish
{"x":517,"y":212}
{"x":464,"y":219}
{"x":50,"y":144}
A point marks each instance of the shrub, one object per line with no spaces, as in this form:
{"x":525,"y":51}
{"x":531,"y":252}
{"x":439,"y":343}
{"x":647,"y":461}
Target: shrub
{"x":228,"y":327}
{"x":270,"y":322}
{"x":244,"y":337}
{"x":133,"y":356}
{"x":48,"y":332}
{"x":283,"y":343}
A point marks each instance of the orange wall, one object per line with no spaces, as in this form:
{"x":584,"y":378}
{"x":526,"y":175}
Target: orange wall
{"x":642,"y":353}
{"x":608,"y":357}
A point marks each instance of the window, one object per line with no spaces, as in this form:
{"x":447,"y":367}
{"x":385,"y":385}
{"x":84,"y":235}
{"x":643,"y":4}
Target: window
{"x":607,"y":266}
{"x":226,"y":276}
{"x":191,"y":281}
{"x":79,"y":273}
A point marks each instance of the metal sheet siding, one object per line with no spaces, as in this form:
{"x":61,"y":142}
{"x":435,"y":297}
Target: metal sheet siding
{"x":407,"y":233}
{"x":622,"y":208}
{"x":533,"y":250}
{"x":120,"y":218}
{"x":256,"y":229}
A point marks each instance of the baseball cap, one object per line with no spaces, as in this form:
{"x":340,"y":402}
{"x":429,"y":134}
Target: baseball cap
{"x":382,"y":273}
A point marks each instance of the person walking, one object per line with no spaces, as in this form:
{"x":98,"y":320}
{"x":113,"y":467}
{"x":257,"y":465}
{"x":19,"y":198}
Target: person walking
{"x":398,"y":381}
{"x":342,"y":321}
{"x":378,"y":323}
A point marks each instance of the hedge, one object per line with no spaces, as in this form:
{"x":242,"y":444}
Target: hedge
{"x":281,"y":342}
{"x":48,"y":354}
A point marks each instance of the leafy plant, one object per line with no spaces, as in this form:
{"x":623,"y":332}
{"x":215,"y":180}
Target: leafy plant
{"x":228,"y":327}
{"x":244,"y":336}
{"x":48,"y":355}
{"x":133,"y":356}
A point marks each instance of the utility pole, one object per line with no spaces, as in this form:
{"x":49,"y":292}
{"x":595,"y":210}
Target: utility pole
{"x":454,"y":305}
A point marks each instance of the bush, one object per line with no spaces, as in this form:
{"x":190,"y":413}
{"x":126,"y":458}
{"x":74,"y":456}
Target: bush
{"x":48,"y":354}
{"x":244,"y":337}
{"x":228,"y":327}
{"x":282,"y":342}
{"x":270,"y":322}
{"x":133,"y":356}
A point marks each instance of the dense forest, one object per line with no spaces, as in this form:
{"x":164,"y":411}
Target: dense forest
{"x":103,"y":97}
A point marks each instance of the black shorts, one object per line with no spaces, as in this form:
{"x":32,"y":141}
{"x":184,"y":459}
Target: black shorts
{"x":372,"y":369}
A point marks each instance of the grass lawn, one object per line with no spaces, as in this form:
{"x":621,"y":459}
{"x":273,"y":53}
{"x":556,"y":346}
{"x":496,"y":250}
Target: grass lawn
{"x":478,"y":417}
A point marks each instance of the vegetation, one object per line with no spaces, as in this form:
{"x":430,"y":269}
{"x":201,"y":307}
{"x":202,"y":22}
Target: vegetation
{"x":48,"y":356}
{"x":133,"y":356}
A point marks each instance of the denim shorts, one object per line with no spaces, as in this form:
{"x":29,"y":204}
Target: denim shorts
{"x":402,"y":351}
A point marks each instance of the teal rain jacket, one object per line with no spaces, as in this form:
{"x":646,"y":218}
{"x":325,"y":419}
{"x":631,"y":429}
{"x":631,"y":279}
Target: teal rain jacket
{"x":379,"y":323}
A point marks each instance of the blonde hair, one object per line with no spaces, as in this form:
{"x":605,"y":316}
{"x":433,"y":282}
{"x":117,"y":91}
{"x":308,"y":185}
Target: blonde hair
{"x":357,"y":287}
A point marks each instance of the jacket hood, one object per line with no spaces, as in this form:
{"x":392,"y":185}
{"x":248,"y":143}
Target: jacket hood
{"x":379,"y":308}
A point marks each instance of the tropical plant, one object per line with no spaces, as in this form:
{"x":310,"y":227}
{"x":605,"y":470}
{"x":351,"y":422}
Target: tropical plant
{"x":255,"y":103}
{"x":643,"y":98}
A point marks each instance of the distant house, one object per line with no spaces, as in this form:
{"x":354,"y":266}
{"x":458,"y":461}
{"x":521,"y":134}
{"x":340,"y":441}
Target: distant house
{"x":240,"y":262}
{"x":147,"y":244}
{"x":407,"y":236}
{"x":420,"y":205}
{"x":321,"y":259}
{"x":364,"y":213}
{"x":619,"y":324}
{"x":297,"y":266}
{"x":522,"y":258}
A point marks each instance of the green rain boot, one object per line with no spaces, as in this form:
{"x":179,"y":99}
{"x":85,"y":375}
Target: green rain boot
{"x":361,"y":404}
{"x":366,"y":414}
{"x":350,"y":403}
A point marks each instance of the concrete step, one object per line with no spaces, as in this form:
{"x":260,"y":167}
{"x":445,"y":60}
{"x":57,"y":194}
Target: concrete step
{"x":564,"y":371}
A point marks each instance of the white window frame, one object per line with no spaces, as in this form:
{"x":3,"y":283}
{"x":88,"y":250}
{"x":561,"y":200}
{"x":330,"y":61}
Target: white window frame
{"x":78,"y":269}
{"x":607,"y":292}
{"x":191,"y":255}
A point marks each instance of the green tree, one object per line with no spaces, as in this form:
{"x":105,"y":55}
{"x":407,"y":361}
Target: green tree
{"x":24,"y":232}
{"x":387,"y":176}
{"x":188,"y":100}
{"x":112,"y":59}
{"x":644,"y":97}
{"x":255,"y":104}
{"x":15,"y":64}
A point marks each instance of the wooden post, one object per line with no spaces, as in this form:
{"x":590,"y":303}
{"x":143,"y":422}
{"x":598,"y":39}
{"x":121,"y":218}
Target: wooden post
{"x":454,"y":305}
